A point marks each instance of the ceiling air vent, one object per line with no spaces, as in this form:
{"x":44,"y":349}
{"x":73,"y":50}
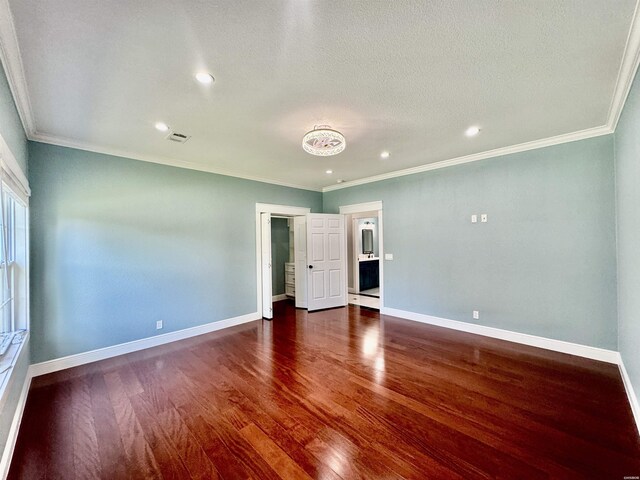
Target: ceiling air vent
{"x":178,"y":137}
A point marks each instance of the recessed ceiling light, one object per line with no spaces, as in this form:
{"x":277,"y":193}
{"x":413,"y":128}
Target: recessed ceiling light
{"x":385,"y":155}
{"x":472,"y":131}
{"x":329,"y":172}
{"x":163,"y":127}
{"x":204,"y":78}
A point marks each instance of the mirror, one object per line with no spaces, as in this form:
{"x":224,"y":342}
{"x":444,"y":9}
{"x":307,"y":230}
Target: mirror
{"x":367,"y":241}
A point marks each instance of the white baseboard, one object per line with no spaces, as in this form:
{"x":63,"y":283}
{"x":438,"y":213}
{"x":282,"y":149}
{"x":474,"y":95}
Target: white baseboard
{"x":633,"y":399}
{"x":594,"y":353}
{"x":56,"y":364}
{"x":12,"y":436}
{"x":277,"y":298}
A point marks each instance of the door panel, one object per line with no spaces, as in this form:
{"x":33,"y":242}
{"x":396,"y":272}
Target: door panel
{"x":327,"y":262}
{"x":334,"y":283}
{"x":317,"y":247}
{"x":334,"y":246}
{"x":317,"y":283}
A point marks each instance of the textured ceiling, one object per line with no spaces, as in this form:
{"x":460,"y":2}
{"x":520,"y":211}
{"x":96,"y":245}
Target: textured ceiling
{"x":403,"y":76}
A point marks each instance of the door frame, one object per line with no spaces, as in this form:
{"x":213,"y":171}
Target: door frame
{"x":371,"y":207}
{"x":284,"y":210}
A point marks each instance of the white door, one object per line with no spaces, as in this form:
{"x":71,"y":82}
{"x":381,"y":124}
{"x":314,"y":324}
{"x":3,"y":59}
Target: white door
{"x":300,"y":258}
{"x":265,"y":233}
{"x":326,"y":261}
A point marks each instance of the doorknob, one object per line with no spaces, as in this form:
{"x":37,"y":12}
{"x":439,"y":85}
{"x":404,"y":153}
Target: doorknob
{"x":310,"y":266}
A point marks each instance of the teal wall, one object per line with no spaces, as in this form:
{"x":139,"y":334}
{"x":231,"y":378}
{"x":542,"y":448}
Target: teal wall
{"x":627,"y":148}
{"x":12,"y":132}
{"x":544,"y":264}
{"x":279,"y":252}
{"x":117,"y":244}
{"x":10,"y":125}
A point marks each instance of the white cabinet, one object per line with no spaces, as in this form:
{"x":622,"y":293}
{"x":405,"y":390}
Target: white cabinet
{"x":290,"y":279}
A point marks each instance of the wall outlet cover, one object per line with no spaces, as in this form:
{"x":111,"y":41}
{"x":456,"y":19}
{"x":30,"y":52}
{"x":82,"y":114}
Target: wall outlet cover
{"x":159,"y":325}
{"x":484,"y":218}
{"x":388,"y":256}
{"x":476,"y":314}
{"x":474,"y":218}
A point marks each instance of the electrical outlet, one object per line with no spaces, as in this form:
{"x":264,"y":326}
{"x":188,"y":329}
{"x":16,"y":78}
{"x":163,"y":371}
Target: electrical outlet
{"x":484,"y":218}
{"x":476,"y":315}
{"x":474,"y":218}
{"x":388,"y":256}
{"x":159,"y":325}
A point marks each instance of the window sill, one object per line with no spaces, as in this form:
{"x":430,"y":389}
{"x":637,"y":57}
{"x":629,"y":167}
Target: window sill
{"x":8,"y":362}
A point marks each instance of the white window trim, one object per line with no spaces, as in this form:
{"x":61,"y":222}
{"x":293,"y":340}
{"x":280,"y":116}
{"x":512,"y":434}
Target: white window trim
{"x":16,"y":179}
{"x":18,"y":184}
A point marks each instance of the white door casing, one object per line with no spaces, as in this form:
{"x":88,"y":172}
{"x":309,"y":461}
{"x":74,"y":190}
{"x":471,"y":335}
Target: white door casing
{"x":360,"y":208}
{"x":265,"y":255}
{"x":300,"y":259}
{"x":282,"y":210}
{"x":326,"y":261}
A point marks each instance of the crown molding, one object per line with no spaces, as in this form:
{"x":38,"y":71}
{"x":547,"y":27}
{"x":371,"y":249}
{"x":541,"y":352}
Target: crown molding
{"x":13,"y":66}
{"x":627,"y":72}
{"x":12,"y":63}
{"x":497,"y":152}
{"x":171,"y":162}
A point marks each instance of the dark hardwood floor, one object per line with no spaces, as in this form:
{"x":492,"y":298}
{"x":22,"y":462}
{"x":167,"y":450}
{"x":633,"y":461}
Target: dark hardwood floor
{"x":342,"y":393}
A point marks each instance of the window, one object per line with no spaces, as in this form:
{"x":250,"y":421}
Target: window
{"x":7,"y":263}
{"x":14,"y":271}
{"x":13,"y":266}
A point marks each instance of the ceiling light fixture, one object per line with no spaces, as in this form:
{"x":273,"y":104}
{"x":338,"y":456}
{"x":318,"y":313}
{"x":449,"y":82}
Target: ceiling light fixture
{"x":323,"y":141}
{"x":205,"y":78}
{"x":472,"y":131}
{"x":161,"y":126}
{"x":385,"y":155}
{"x":329,"y":172}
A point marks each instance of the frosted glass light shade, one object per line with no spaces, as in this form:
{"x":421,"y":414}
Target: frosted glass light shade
{"x":323,"y":141}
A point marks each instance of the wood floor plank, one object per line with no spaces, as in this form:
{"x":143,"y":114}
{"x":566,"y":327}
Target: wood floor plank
{"x":140,"y":459}
{"x":216,"y":450}
{"x":187,"y":446}
{"x":169,"y":461}
{"x":59,"y":434}
{"x":277,"y":459}
{"x":86,"y":456}
{"x":113,"y":459}
{"x":336,"y":394}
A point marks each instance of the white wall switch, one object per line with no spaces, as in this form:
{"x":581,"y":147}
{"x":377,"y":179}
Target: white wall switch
{"x":388,"y":256}
{"x":159,"y":325}
{"x":474,"y":218}
{"x":476,"y":315}
{"x":483,"y":218}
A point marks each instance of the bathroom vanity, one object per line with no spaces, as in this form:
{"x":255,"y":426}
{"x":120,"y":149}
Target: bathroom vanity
{"x":369,"y":272}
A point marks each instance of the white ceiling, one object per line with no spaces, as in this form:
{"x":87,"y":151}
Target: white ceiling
{"x":404,"y":76}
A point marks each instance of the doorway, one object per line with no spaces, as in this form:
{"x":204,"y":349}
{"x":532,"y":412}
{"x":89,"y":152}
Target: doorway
{"x":365,"y":265}
{"x":316,"y":278}
{"x":264,"y":260}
